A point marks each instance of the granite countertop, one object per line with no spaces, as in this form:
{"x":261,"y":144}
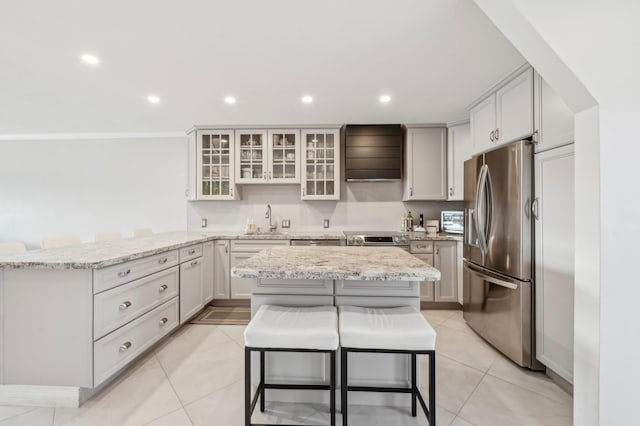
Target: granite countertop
{"x":336,"y":263}
{"x":443,"y":236}
{"x":101,"y":254}
{"x":282,"y":235}
{"x":106,"y":253}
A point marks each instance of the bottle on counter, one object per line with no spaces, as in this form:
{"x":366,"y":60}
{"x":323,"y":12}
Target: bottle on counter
{"x":421,"y":220}
{"x":409,"y":222}
{"x":403,"y":223}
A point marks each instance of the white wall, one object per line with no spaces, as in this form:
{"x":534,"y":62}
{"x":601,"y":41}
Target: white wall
{"x":54,"y":188}
{"x":363,"y":206}
{"x":597,"y":41}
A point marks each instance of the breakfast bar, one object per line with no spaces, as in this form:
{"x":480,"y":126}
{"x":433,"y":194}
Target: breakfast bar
{"x":335,"y":276}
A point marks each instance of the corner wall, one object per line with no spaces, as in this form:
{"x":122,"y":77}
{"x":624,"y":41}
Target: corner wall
{"x":51,"y":188}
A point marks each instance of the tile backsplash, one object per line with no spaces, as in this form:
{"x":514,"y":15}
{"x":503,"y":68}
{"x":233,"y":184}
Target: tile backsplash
{"x":363,"y":205}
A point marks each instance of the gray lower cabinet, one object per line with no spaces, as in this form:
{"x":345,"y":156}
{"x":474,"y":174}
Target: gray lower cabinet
{"x":208,"y":268}
{"x":221,"y":270}
{"x":191,"y":294}
{"x":423,"y":250}
{"x":240,"y":288}
{"x":443,"y":255}
{"x":445,"y":260}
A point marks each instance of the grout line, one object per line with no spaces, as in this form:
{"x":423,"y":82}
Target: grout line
{"x":471,"y":394}
{"x":168,"y":414}
{"x":211,"y":393}
{"x":21,"y":414}
{"x":531,"y":390}
{"x":172,"y":387}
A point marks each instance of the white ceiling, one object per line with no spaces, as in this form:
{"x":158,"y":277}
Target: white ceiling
{"x":432,"y":56}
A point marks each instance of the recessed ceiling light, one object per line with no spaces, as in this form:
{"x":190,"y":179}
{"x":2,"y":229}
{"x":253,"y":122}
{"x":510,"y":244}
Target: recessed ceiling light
{"x":90,"y":59}
{"x":230,"y":100}
{"x":385,"y":98}
{"x":307,"y":99}
{"x":153,"y":99}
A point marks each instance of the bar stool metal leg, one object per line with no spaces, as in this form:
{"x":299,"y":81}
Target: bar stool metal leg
{"x":432,"y":388}
{"x":332,"y":388}
{"x":262,"y":381}
{"x":414,"y":389}
{"x":247,"y":387}
{"x":343,"y":384}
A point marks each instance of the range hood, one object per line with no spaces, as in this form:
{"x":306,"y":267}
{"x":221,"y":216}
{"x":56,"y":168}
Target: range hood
{"x":373,"y":152}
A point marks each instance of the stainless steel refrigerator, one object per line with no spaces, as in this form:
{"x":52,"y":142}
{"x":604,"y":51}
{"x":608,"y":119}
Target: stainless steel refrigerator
{"x":498,"y":249}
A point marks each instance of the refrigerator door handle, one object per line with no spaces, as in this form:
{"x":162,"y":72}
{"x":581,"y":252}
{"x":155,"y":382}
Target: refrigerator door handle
{"x":480,"y":216}
{"x":534,"y":208}
{"x":490,"y":278}
{"x":488,"y":219}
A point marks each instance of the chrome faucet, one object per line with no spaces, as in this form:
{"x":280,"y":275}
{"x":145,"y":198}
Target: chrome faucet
{"x":267,"y":215}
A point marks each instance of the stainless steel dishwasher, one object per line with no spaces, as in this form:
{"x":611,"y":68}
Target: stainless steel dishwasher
{"x":334,"y":242}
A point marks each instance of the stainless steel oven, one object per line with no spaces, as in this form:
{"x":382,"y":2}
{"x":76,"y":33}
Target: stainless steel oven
{"x":377,"y":239}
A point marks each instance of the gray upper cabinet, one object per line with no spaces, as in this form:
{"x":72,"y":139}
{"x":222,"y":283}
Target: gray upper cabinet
{"x":505,"y":115}
{"x":426,"y":164}
{"x":553,"y":119}
{"x":459,"y":149}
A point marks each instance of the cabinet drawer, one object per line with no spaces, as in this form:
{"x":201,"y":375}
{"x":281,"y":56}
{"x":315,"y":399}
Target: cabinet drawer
{"x":116,"y":350}
{"x":268,"y":286}
{"x":116,"y":307}
{"x":113,"y":276}
{"x":421,"y":247}
{"x":255,"y":245}
{"x":191,"y":252}
{"x":377,"y":288}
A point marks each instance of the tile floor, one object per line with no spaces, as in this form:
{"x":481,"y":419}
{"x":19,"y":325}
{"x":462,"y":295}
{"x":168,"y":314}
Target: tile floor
{"x":196,"y":378}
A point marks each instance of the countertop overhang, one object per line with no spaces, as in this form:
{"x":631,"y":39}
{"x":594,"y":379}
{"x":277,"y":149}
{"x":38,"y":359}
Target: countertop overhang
{"x":336,"y":263}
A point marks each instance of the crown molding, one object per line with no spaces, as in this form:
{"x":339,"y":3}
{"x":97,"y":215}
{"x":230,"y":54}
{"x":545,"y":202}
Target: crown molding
{"x":88,"y":136}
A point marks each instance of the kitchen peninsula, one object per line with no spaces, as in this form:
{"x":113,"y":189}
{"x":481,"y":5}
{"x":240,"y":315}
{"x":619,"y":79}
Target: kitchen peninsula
{"x":72,"y":318}
{"x":314,"y":276}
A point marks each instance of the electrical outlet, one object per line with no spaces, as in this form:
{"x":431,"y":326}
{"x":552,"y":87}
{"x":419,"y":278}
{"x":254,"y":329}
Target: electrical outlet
{"x":203,"y":223}
{"x":286,"y":223}
{"x":325,"y":223}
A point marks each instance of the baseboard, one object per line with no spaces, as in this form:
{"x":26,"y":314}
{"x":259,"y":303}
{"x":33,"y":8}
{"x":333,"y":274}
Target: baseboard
{"x":231,"y":302}
{"x":560,"y":381}
{"x":40,"y":396}
{"x":440,"y":305}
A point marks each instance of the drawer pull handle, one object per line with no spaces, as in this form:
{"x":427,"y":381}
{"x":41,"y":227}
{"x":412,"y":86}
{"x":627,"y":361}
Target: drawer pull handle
{"x":192,"y":251}
{"x":163,"y":288}
{"x":163,"y":321}
{"x":124,"y":273}
{"x":124,"y":305}
{"x":125,"y":346}
{"x":163,"y":261}
{"x":195,"y":262}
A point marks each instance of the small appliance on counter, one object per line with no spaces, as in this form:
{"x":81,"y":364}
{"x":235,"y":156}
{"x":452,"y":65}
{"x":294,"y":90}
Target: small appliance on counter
{"x":452,"y":222}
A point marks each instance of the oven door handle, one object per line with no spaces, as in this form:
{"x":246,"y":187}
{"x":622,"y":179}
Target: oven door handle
{"x":493,"y":279}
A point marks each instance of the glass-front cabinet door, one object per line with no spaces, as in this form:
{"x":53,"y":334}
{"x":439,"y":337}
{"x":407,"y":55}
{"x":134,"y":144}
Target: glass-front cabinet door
{"x":321,"y":164}
{"x":215,"y":165}
{"x":251,"y":156}
{"x":284,"y":156}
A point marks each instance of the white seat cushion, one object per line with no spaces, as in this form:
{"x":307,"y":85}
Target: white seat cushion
{"x":401,"y":328}
{"x":291,"y":327}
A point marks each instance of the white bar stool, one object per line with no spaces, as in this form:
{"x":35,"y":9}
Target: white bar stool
{"x":289,"y":329}
{"x":400,"y":330}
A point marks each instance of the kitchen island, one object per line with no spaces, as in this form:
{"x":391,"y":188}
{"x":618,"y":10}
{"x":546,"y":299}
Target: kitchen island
{"x":315,"y":276}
